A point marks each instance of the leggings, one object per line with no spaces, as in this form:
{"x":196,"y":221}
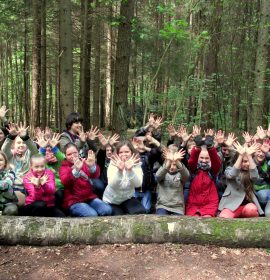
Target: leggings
{"x":244,"y":211}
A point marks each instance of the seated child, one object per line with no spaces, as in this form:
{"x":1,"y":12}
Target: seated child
{"x":8,"y":198}
{"x":40,"y":186}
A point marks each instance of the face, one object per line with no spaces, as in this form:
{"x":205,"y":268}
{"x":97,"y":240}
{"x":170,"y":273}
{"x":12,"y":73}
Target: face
{"x":72,"y":154}
{"x":108,"y":152}
{"x":124,"y":153}
{"x":19,"y":146}
{"x":2,"y":135}
{"x":173,"y":167}
{"x":225,"y":152}
{"x":190,"y":147}
{"x":2,"y":162}
{"x":204,"y":157}
{"x":245,"y":164}
{"x":38,"y":166}
{"x":76,"y":128}
{"x":260,"y":156}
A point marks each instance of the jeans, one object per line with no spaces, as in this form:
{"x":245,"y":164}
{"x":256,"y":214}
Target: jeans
{"x":131,"y":206}
{"x":263,"y":196}
{"x":145,"y":198}
{"x":92,"y":208}
{"x":161,"y":211}
{"x":98,"y":187}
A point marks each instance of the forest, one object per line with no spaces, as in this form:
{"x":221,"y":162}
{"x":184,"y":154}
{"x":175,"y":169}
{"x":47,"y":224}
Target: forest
{"x":115,"y":61}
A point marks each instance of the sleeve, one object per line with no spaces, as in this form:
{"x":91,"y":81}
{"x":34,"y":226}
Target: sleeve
{"x":231,"y":172}
{"x":184,"y":174}
{"x":7,"y":182}
{"x":66,"y":176}
{"x":161,"y":173}
{"x":193,"y":160}
{"x":254,"y":174}
{"x":31,"y":146}
{"x":215,"y":160}
{"x":30,"y":188}
{"x":135,"y":176}
{"x":114,"y":176}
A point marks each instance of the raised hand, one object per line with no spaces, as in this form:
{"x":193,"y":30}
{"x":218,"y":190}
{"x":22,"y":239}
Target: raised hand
{"x":230,"y":139}
{"x":116,"y":161}
{"x":133,"y":160}
{"x":239,"y":148}
{"x":78,"y":164}
{"x":171,"y":130}
{"x":114,"y":139}
{"x":41,"y":141}
{"x":209,"y":132}
{"x":252,"y":149}
{"x":168,"y":155}
{"x":247,"y":137}
{"x":151,"y":119}
{"x":3,"y":111}
{"x":182,"y":133}
{"x":178,"y":156}
{"x":196,"y":130}
{"x":260,"y":132}
{"x":47,"y":132}
{"x":158,"y":122}
{"x":22,"y":129}
{"x":91,"y":158}
{"x":44,"y":179}
{"x":220,"y":137}
{"x":93,"y":133}
{"x":54,"y":139}
{"x":12,"y":129}
{"x":265,"y":147}
{"x":138,"y":144}
{"x":102,"y":139}
{"x":82,"y":134}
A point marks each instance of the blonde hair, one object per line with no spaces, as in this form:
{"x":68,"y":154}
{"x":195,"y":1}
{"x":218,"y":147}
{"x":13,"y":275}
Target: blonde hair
{"x":6,"y":167}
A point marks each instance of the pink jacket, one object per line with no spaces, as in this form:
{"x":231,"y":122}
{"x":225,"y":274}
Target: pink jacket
{"x":44,"y":193}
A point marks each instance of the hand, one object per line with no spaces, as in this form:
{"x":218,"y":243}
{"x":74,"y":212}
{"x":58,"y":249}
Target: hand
{"x":252,"y":149}
{"x":134,"y":159}
{"x":35,"y":181}
{"x":78,"y":164}
{"x":265,"y":147}
{"x":22,"y":129}
{"x":209,"y":132}
{"x":247,"y":137}
{"x":151,"y":119}
{"x":260,"y":132}
{"x":82,"y":135}
{"x":158,"y":122}
{"x":44,"y":179}
{"x":41,"y":141}
{"x":3,"y":111}
{"x":91,"y":158}
{"x":171,"y":130}
{"x":230,"y":140}
{"x":239,"y":148}
{"x":12,"y":129}
{"x":168,"y":156}
{"x":114,"y":139}
{"x":38,"y":132}
{"x":93,"y":133}
{"x":152,"y":140}
{"x":102,"y":139}
{"x":220,"y":137}
{"x":182,"y":133}
{"x":54,"y":139}
{"x":138,"y":144}
{"x":116,"y":161}
{"x":178,"y":156}
{"x":196,"y":131}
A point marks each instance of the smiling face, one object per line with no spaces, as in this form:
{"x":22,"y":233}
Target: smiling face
{"x":76,"y":128}
{"x":72,"y":154}
{"x":245,"y":163}
{"x":124,"y":153}
{"x":204,"y":157}
{"x":109,"y":152}
{"x":260,"y":156}
{"x":19,"y":146}
{"x":38,"y":166}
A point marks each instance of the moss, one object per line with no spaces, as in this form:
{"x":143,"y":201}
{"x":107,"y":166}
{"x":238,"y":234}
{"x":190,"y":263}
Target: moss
{"x":141,"y":232}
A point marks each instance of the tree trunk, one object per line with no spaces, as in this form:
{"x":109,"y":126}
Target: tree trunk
{"x":261,"y":66}
{"x":35,"y":99}
{"x":66,"y":63}
{"x":123,"y":52}
{"x":37,"y":231}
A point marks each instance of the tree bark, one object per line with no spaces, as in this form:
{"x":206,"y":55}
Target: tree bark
{"x":135,"y":229}
{"x":123,"y":53}
{"x":66,"y":63}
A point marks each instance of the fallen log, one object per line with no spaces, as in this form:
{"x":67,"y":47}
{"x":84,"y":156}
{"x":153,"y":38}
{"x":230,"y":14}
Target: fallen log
{"x":135,"y":229}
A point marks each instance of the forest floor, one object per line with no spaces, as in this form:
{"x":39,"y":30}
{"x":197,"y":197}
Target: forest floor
{"x":152,"y":261}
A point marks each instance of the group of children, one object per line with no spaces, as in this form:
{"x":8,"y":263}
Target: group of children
{"x":84,"y":174}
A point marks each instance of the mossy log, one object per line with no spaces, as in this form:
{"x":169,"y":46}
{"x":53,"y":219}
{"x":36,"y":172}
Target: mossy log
{"x":135,"y":229}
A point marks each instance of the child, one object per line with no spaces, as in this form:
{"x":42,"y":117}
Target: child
{"x":40,"y":186}
{"x":124,"y":175}
{"x":19,"y":156}
{"x":171,"y":177}
{"x":204,"y":165}
{"x":8,"y":198}
{"x":76,"y":175}
{"x":239,"y":199}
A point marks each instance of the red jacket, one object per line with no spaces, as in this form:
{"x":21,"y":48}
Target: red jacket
{"x":203,"y":195}
{"x":76,"y":189}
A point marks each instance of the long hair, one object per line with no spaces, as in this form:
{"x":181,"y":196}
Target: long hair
{"x":126,"y":143}
{"x":247,"y":183}
{"x":6,"y":166}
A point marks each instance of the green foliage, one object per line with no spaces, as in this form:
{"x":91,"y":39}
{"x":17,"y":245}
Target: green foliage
{"x":176,"y":29}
